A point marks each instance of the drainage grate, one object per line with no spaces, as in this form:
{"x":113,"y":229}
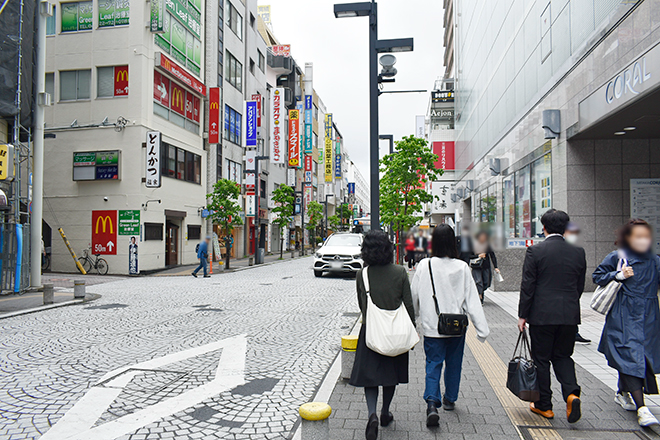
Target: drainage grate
{"x":542,"y":432}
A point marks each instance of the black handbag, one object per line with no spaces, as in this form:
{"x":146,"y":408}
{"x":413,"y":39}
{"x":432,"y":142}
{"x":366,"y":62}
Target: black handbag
{"x":449,"y":324}
{"x":521,"y":376}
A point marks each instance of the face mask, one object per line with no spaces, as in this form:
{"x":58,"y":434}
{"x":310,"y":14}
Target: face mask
{"x":572,"y":238}
{"x":640,"y":245}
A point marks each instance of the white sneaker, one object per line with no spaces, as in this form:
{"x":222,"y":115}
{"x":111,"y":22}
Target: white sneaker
{"x":625,"y":400}
{"x":645,"y":418}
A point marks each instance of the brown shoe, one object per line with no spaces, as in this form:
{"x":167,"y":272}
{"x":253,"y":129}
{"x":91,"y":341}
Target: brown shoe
{"x":548,"y":414}
{"x":573,"y":412}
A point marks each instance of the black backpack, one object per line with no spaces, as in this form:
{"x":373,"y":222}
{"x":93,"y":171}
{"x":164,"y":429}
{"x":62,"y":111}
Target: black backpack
{"x":197,"y":249}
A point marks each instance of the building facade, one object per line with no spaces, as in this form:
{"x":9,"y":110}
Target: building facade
{"x":555,"y":113}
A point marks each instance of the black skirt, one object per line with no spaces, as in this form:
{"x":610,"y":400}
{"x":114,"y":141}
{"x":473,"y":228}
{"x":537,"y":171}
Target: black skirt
{"x":372,"y":369}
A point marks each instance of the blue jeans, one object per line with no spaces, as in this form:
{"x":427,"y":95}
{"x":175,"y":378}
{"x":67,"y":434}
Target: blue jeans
{"x":450,"y":352}
{"x":202,"y":264}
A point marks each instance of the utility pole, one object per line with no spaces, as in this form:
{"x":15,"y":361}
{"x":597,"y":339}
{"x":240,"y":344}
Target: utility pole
{"x":38,"y":149}
{"x":257,"y":199}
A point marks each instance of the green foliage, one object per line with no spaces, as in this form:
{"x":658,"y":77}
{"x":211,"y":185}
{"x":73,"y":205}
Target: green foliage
{"x":315,"y":213}
{"x":224,"y":205}
{"x":334,"y":223}
{"x":403,"y":184}
{"x":284,"y":200}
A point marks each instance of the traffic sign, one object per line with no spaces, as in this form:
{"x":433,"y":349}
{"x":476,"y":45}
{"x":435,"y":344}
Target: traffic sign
{"x":104,"y":232}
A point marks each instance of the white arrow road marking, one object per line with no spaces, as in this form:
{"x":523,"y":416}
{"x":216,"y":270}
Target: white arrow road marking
{"x":78,"y":422}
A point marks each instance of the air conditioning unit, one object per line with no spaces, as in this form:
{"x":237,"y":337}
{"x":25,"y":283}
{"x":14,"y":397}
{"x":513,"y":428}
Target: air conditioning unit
{"x":46,"y":8}
{"x":44,"y":99}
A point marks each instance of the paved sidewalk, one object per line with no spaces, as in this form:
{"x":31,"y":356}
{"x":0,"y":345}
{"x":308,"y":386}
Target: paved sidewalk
{"x":239,"y":263}
{"x":485,"y":409}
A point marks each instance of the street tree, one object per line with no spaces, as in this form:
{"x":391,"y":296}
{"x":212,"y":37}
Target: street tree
{"x":344,"y":213}
{"x":315,"y":212}
{"x":225,"y":210}
{"x":284,"y":200}
{"x":334,"y":223}
{"x":403,"y":185}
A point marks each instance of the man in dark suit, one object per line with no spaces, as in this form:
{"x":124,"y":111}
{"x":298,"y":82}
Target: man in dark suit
{"x":552,"y":284}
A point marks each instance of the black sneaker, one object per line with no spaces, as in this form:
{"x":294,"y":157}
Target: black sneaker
{"x":194,"y":274}
{"x":580,"y":340}
{"x":386,"y":419}
{"x":207,"y":276}
{"x":432,"y":416}
{"x":371,"y":432}
{"x":447,"y":405}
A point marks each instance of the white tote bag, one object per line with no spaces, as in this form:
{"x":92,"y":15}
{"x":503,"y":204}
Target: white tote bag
{"x":389,"y":332}
{"x":604,"y":296}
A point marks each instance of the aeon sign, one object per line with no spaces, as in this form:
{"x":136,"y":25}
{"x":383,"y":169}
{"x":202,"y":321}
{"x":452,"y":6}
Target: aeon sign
{"x":627,"y":81}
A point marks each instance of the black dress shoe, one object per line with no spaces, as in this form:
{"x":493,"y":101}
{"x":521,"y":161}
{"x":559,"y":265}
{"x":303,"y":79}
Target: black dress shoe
{"x":581,"y":340}
{"x":432,"y":416}
{"x":447,"y":405}
{"x":372,"y":427}
{"x":386,"y":419}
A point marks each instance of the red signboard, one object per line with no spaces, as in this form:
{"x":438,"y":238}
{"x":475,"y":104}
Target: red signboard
{"x":178,"y":100}
{"x":161,"y":89}
{"x":121,"y":80}
{"x":308,"y":163}
{"x":282,"y":49}
{"x":214,"y":115}
{"x":445,"y":152}
{"x":179,"y":73}
{"x":257,"y":97}
{"x":104,"y":232}
{"x":294,"y":138}
{"x":189,"y":105}
{"x":195,"y":109}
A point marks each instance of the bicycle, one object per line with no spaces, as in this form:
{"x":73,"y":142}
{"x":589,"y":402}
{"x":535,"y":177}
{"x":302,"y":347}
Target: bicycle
{"x":88,"y":263}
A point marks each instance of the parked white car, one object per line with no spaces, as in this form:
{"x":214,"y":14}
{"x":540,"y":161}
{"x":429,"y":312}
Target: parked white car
{"x":341,"y":253}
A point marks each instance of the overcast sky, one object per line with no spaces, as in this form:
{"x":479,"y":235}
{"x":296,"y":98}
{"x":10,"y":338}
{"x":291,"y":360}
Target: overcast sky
{"x":339,"y":50}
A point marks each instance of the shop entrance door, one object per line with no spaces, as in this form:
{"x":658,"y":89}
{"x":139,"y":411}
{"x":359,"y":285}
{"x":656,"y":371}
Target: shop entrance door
{"x":172,"y":245}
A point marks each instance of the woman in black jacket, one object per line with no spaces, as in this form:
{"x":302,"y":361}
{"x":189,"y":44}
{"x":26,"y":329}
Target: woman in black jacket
{"x":389,"y":287}
{"x":480,"y":262}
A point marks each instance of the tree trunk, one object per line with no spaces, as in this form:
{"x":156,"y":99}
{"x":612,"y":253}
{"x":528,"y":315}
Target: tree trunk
{"x":227,"y":253}
{"x":281,"y":244}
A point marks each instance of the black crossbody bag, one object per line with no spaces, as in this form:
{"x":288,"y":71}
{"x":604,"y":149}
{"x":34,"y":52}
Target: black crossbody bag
{"x":448,"y":324}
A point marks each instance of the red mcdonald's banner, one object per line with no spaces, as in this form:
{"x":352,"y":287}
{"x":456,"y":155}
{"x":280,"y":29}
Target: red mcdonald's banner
{"x":214,"y":115}
{"x":121,"y":80}
{"x":178,"y":100}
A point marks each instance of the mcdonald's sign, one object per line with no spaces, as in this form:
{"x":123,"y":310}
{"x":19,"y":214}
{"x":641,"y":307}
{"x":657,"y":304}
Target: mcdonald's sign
{"x":178,"y":100}
{"x":121,"y":80}
{"x":104,"y":232}
{"x":214,"y":115}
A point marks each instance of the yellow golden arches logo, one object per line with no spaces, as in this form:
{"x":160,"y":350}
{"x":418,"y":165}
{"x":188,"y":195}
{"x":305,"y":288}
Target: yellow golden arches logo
{"x":104,"y":220}
{"x":177,"y":98}
{"x":214,"y":106}
{"x":122,"y":75}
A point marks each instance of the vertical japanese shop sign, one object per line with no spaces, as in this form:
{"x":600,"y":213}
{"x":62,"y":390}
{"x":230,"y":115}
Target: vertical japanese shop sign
{"x":214,"y":115}
{"x":251,"y":123}
{"x":257,"y":98}
{"x":277,"y":132}
{"x":308,"y":124}
{"x":328,"y":148}
{"x":157,"y":16}
{"x":104,"y":232}
{"x":308,"y":169}
{"x":294,"y":138}
{"x":153,"y":178}
{"x":250,"y":160}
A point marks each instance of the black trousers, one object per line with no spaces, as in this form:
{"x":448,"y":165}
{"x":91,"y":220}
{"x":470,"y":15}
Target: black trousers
{"x":554,"y":344}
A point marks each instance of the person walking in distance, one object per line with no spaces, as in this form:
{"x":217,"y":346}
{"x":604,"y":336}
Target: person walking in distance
{"x":630,"y":339}
{"x":572,"y":236}
{"x":482,"y":259}
{"x":203,"y":256}
{"x":443,"y":284}
{"x":388,"y":288}
{"x":552,"y":284}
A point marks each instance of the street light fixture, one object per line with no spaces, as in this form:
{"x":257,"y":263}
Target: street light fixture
{"x":376,"y":46}
{"x":387,"y":61}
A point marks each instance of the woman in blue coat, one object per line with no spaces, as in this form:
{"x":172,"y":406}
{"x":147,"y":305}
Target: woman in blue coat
{"x":631,"y":335}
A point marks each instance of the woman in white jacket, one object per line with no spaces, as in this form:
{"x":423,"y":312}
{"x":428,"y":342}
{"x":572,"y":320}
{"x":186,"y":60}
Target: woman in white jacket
{"x":456,"y":293}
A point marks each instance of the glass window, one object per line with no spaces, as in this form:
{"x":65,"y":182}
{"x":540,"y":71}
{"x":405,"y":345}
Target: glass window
{"x":75,"y":85}
{"x":171,"y":102}
{"x":232,"y":125}
{"x":198,"y":169}
{"x":508,"y":194}
{"x":171,"y":161}
{"x":50,"y":85}
{"x":77,"y":16}
{"x":180,"y":164}
{"x":262,"y":61}
{"x":523,"y":203}
{"x":541,"y":191}
{"x":251,"y":66}
{"x":106,"y":82}
{"x":234,"y":20}
{"x":50,"y":22}
{"x":234,"y":71}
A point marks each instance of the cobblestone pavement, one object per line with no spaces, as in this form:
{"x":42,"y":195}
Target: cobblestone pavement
{"x":64,"y":280}
{"x":149,"y":349}
{"x":480,"y":413}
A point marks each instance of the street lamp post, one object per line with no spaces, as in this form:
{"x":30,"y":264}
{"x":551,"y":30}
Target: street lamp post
{"x":376,"y":46}
{"x":389,"y":137}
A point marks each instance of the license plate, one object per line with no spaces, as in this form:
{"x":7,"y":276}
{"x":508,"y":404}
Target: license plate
{"x":336,"y":264}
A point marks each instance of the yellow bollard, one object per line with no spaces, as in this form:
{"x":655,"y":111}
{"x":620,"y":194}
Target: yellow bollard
{"x":72,"y":252}
{"x":315,"y":424}
{"x":348,"y":347}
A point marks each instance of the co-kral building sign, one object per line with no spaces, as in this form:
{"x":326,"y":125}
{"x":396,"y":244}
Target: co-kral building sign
{"x":278,"y":133}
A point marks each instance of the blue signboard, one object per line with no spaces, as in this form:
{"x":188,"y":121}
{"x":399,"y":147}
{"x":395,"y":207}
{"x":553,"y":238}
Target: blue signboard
{"x":107,"y":172}
{"x":308,"y":102}
{"x":351,"y":187}
{"x":251,"y":124}
{"x":308,"y":138}
{"x":338,"y":166}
